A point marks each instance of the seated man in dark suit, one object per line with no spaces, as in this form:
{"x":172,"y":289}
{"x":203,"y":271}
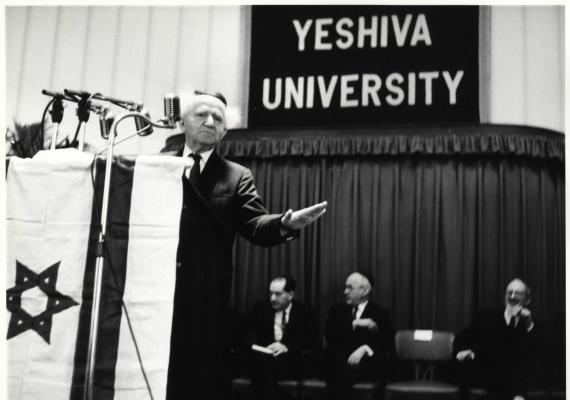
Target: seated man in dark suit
{"x":287,"y":330}
{"x":500,"y":350}
{"x":360,"y":339}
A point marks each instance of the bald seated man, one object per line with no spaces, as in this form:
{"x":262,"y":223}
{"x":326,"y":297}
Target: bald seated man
{"x":500,"y":350}
{"x":359,"y":339}
{"x":219,"y":201}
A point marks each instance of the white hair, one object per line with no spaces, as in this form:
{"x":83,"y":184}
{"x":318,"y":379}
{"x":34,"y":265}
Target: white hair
{"x":232,"y":113}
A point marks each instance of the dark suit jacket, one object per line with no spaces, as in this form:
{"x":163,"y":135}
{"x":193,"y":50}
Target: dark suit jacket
{"x":229,"y":205}
{"x":300,"y":332}
{"x":342,"y":339}
{"x":506,"y":359}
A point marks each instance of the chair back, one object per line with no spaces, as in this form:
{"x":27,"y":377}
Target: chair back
{"x":424,"y":345}
{"x":424,"y":349}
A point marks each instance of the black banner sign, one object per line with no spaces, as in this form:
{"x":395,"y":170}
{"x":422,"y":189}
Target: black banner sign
{"x":355,"y":65}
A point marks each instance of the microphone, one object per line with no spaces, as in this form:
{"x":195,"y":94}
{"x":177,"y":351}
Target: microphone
{"x":171,"y":110}
{"x":77,"y":94}
{"x":57,"y":109}
{"x":141,"y":123}
{"x":54,"y":94}
{"x":106,"y":120}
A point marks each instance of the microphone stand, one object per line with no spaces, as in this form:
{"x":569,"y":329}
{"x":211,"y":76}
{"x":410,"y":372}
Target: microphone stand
{"x":95,"y":307}
{"x":93,"y":329}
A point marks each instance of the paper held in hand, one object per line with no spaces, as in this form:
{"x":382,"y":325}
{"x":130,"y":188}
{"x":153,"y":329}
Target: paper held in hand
{"x":261,"y":349}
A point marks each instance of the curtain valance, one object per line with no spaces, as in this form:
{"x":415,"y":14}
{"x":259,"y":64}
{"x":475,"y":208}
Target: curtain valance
{"x":402,"y":140}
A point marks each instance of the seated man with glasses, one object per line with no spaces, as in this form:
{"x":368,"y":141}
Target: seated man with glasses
{"x":500,"y":350}
{"x":359,"y":340}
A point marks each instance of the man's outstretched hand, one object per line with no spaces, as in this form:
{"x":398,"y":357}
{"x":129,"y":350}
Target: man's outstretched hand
{"x":299,"y":219}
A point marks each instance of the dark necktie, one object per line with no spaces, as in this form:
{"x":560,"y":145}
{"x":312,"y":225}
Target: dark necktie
{"x":354,"y":310}
{"x":512,"y":322}
{"x":283,"y":323}
{"x":195,"y":171}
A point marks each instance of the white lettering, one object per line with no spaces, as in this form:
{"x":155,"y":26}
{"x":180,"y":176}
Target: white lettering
{"x":428,"y":76}
{"x":372,"y":32}
{"x":421,"y":31}
{"x":411,"y":89}
{"x":294,"y":92}
{"x":266,"y":103}
{"x":371,"y":84}
{"x":346,"y":90}
{"x":302,"y":32}
{"x":326,"y":93}
{"x":401,"y":32}
{"x":321,"y":33}
{"x":384,"y":31}
{"x":452,"y":84}
{"x":395,"y":89}
{"x":310,"y":91}
{"x":359,"y":90}
{"x":344,"y":33}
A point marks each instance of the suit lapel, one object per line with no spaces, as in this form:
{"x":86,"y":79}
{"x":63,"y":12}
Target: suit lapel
{"x":267,"y":318}
{"x":366,"y":311}
{"x":207,"y":180}
{"x":208,"y":177}
{"x":290,"y":322}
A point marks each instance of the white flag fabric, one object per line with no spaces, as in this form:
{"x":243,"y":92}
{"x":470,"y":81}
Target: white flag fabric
{"x":154,"y":224}
{"x":48,"y":221}
{"x":53,"y":214}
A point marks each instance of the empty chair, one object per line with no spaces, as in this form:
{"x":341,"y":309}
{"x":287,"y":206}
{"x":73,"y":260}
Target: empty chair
{"x":545,"y":395}
{"x":426,"y":351}
{"x":364,"y":390}
{"x":241,"y":388}
{"x":314,"y":389}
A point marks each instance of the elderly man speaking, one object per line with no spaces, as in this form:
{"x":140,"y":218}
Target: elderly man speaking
{"x":220,"y":200}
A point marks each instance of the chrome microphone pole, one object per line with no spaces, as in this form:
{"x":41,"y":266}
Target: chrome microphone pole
{"x":54,"y":131}
{"x":95,"y":307}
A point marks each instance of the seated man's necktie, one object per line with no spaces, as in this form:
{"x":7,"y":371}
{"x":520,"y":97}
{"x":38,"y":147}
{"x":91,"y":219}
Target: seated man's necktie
{"x":283,"y":322}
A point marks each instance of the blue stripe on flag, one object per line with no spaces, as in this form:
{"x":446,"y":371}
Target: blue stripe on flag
{"x":114,"y":272}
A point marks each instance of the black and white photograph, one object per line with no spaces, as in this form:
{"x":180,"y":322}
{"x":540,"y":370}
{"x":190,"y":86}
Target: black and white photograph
{"x":284,"y":201}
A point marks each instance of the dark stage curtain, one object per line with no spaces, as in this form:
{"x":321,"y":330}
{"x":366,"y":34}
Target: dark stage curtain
{"x":444,"y":217}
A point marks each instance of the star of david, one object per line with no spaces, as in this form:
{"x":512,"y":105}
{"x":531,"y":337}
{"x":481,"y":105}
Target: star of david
{"x":20,"y":320}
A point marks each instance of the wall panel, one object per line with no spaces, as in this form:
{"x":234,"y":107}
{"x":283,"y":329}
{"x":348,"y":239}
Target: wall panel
{"x":36,"y":62}
{"x":508,"y":73}
{"x":544,"y":106}
{"x":16,"y":26}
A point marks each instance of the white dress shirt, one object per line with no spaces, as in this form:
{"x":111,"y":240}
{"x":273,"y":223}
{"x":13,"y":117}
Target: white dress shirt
{"x":204,"y":158}
{"x":277,"y":327}
{"x":360,"y":309}
{"x":513,"y":312}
